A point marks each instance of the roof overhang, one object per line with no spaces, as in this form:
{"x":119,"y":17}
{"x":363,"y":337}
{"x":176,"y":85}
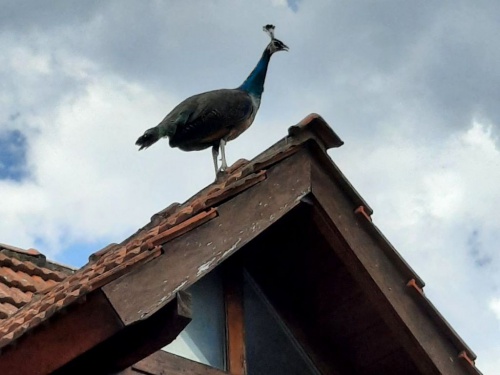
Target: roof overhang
{"x":185,"y":242}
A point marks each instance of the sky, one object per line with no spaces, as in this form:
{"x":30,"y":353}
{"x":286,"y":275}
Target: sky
{"x":411,"y":87}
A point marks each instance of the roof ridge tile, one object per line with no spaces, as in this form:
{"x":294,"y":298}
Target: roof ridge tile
{"x":235,"y":188}
{"x":30,"y":251}
{"x":170,"y":233}
{"x":98,"y":254}
{"x":159,"y":216}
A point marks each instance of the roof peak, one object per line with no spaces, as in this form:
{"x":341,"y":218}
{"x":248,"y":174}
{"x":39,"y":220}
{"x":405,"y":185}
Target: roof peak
{"x":242,"y":174}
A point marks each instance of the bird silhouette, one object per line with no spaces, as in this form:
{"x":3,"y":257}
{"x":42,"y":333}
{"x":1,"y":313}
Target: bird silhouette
{"x":213,"y":118}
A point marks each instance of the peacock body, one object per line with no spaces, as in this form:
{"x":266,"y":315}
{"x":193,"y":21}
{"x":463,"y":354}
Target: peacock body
{"x":213,"y":118}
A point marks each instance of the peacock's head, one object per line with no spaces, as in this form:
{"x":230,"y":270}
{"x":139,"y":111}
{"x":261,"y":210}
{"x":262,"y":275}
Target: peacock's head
{"x":275,"y":45}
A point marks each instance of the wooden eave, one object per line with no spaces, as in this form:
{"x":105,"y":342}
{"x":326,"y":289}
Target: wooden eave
{"x":91,"y":329}
{"x":295,"y":173}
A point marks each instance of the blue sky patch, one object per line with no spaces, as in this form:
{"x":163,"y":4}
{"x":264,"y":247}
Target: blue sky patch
{"x":476,"y":250}
{"x":293,"y":4}
{"x":77,"y":255}
{"x":13,"y":146}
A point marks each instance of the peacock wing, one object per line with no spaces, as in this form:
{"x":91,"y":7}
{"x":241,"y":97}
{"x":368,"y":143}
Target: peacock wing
{"x":209,"y":117}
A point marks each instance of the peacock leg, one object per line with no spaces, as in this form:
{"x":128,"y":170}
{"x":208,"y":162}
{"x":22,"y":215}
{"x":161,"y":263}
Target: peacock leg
{"x":223,"y":154}
{"x":215,"y":155}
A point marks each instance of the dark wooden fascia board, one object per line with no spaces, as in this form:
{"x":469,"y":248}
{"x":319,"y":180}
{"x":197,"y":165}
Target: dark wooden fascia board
{"x":188,"y":258}
{"x":235,"y":325}
{"x":67,"y":336}
{"x":383,"y":282}
{"x":89,"y":337}
{"x":415,"y":287}
{"x":163,"y":363}
{"x":134,"y":342}
{"x":323,"y":159}
{"x":334,"y":175}
{"x":318,"y":128}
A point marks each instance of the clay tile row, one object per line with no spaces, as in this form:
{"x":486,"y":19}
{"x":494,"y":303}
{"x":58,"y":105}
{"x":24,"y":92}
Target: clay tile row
{"x":7,"y":309}
{"x":67,"y":291}
{"x":14,"y":295}
{"x":30,"y":268}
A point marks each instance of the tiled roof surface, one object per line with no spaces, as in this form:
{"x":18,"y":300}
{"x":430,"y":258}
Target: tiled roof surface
{"x":24,"y":274}
{"x":116,"y":259}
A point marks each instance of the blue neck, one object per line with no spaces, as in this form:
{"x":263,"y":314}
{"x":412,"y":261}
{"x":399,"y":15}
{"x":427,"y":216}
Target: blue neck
{"x":254,"y":84}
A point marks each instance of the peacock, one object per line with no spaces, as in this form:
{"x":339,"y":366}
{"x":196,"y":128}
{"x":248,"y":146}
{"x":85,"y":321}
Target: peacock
{"x":213,"y":118}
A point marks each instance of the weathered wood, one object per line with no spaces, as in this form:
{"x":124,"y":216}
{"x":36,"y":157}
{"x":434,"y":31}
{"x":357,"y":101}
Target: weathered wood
{"x":66,"y":337}
{"x":188,"y":258}
{"x":235,"y":325}
{"x":134,"y":342}
{"x":382,"y":281}
{"x":164,"y":363}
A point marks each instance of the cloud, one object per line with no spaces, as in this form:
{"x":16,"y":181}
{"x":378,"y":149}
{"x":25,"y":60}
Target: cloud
{"x":495,"y":307}
{"x":87,"y":154}
{"x":31,"y":15}
{"x":411,"y":88}
{"x":452,"y":186}
{"x":79,"y":91}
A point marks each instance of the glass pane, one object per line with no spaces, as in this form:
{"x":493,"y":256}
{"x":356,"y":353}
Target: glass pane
{"x":203,"y":340}
{"x":270,"y":347}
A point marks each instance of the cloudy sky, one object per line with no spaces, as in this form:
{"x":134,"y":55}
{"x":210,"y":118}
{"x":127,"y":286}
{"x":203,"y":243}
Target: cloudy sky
{"x":413,"y":88}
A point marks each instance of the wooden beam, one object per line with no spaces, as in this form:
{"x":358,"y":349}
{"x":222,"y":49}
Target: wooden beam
{"x":188,"y":258}
{"x":163,"y":363}
{"x":64,"y":338}
{"x":134,"y":342}
{"x":235,"y":325}
{"x":383,"y":282}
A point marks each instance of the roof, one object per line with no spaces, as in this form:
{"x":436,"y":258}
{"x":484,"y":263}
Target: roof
{"x":23,"y":275}
{"x":115,"y":259}
{"x":154,"y":248}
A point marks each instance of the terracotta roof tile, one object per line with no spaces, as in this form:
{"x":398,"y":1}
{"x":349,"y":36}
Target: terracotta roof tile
{"x":23,"y":275}
{"x":116,"y":259}
{"x":14,"y":295}
{"x":30,"y":252}
{"x":6,"y":309}
{"x":75,"y":286}
{"x":167,"y":233}
{"x":17,"y":279}
{"x":31,"y":268}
